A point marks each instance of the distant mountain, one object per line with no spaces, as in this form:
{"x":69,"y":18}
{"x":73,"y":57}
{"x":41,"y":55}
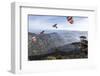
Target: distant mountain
{"x":46,"y":43}
{"x":72,"y":36}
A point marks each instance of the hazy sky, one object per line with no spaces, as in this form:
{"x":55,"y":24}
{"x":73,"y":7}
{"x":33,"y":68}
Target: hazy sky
{"x":45,"y":23}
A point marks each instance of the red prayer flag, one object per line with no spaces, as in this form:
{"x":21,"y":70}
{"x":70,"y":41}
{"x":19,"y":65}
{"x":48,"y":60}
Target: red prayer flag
{"x":70,"y":19}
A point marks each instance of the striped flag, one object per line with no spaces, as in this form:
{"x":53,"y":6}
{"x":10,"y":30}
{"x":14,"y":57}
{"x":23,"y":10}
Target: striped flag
{"x":70,"y":19}
{"x":34,"y":39}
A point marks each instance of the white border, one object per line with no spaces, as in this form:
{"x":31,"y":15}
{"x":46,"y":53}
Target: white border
{"x":19,"y":36}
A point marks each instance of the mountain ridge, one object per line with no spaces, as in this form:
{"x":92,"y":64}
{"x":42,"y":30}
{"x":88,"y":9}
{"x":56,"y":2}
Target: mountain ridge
{"x":47,"y":41}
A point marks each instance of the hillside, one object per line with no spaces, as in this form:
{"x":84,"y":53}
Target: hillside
{"x":44,"y":42}
{"x":50,"y":43}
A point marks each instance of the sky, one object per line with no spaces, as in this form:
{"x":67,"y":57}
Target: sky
{"x":40,"y":22}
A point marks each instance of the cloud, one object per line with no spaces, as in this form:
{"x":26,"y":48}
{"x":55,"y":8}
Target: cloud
{"x":46,"y":22}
